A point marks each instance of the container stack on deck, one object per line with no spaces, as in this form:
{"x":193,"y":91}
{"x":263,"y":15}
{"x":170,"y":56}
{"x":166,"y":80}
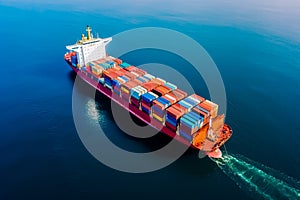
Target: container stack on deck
{"x":173,"y":113}
{"x":146,"y":102}
{"x":187,"y":116}
{"x":126,"y":87}
{"x":135,"y":94}
{"x":165,"y":100}
{"x":124,"y":64}
{"x":117,"y":82}
{"x":211,"y":107}
{"x":191,"y":121}
{"x":97,"y":67}
{"x":158,"y":108}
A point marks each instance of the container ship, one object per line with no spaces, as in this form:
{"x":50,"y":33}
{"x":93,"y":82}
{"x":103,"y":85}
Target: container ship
{"x":153,"y":100}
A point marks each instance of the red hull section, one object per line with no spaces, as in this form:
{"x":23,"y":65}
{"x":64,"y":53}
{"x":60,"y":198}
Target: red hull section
{"x":132,"y":109}
{"x":212,"y":152}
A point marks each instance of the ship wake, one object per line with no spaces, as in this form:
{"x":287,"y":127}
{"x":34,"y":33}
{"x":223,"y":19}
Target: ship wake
{"x":258,"y":180}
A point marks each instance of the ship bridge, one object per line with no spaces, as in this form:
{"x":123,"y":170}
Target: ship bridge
{"x":89,"y":48}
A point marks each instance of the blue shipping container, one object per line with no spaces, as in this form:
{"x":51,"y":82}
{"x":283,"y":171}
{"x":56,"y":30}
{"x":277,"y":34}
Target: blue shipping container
{"x":187,"y":122}
{"x":158,"y":110}
{"x":186,"y":136}
{"x":148,"y":97}
{"x":171,"y":118}
{"x":146,"y":110}
{"x":184,"y":104}
{"x":124,"y":64}
{"x":191,"y":101}
{"x":171,"y":122}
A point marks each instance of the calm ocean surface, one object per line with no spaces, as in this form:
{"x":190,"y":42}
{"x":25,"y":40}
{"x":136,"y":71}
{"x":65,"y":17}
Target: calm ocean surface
{"x":257,"y":53}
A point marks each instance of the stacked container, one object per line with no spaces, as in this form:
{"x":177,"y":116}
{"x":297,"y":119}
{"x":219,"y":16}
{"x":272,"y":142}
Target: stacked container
{"x":135,"y":94}
{"x":132,"y":68}
{"x":115,"y":60}
{"x":145,"y":78}
{"x":150,"y":85}
{"x":102,"y":60}
{"x":162,"y":103}
{"x":159,"y":106}
{"x":159,"y":81}
{"x":173,"y":113}
{"x":124,"y":65}
{"x":96,"y":70}
{"x":177,"y":94}
{"x":137,"y":72}
{"x":162,"y":90}
{"x":117,"y":82}
{"x":191,"y":101}
{"x":210,"y":107}
{"x":130,"y":75}
{"x":110,"y":63}
{"x":126,"y":88}
{"x":189,"y":124}
{"x":108,"y":76}
{"x":146,"y":101}
{"x":170,"y":85}
{"x":204,"y":113}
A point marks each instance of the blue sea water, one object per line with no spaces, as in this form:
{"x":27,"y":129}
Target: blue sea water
{"x":258,"y":56}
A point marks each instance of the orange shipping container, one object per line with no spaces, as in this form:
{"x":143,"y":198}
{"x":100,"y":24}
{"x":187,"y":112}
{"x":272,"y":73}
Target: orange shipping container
{"x":131,"y":68}
{"x":140,"y":71}
{"x":150,"y":85}
{"x":158,"y":81}
{"x":117,"y":61}
{"x":130,"y":75}
{"x":211,"y":107}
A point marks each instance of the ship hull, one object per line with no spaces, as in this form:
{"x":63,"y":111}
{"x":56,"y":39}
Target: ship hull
{"x":215,"y":152}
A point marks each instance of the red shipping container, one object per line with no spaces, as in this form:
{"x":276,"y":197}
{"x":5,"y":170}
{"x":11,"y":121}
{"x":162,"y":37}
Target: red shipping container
{"x":135,"y":101}
{"x":125,"y":96}
{"x":171,"y":126}
{"x":146,"y":106}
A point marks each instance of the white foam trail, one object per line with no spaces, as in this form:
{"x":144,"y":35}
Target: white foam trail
{"x":258,"y":180}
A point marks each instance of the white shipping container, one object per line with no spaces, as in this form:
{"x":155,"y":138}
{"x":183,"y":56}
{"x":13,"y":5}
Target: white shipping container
{"x":161,"y":80}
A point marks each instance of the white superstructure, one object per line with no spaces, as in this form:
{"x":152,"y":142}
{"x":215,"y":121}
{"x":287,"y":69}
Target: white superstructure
{"x":89,"y":49}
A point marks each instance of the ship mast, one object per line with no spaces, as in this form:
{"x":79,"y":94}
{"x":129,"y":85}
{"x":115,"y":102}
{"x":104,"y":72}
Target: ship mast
{"x":88,"y":30}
